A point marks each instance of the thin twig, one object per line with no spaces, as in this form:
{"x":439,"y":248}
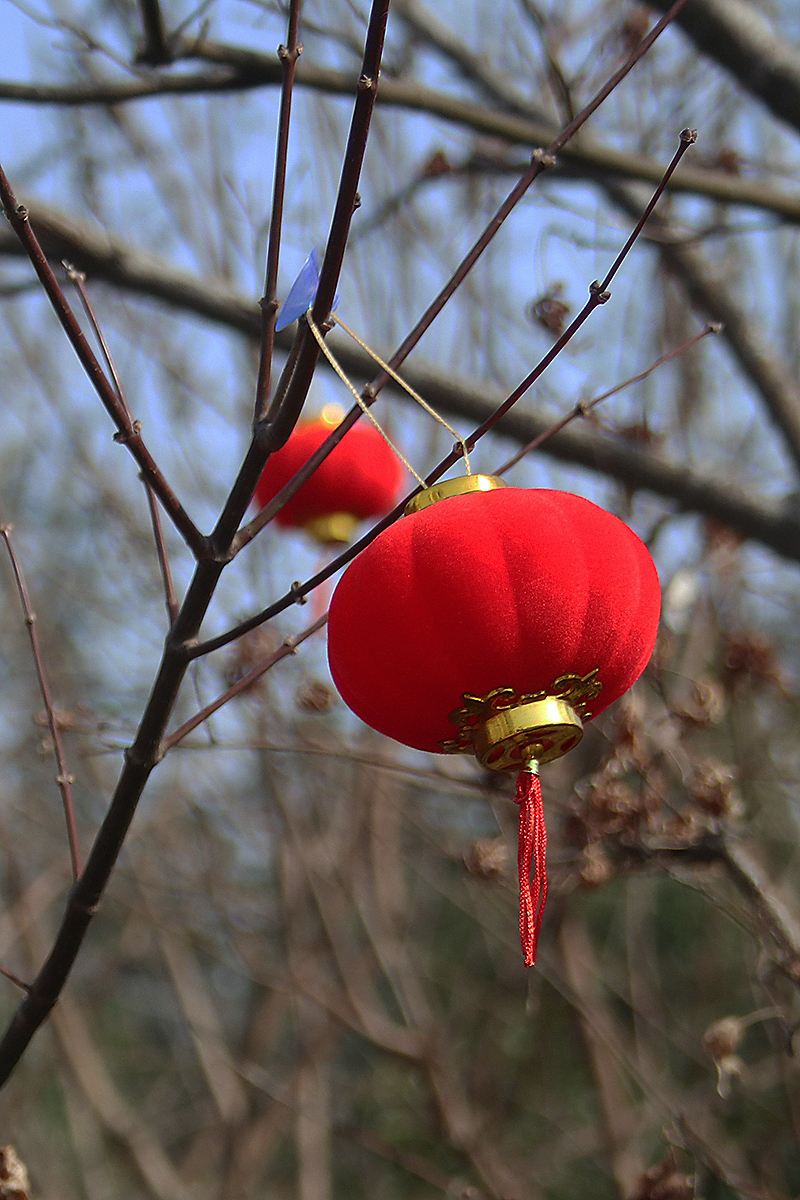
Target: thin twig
{"x":128,"y":431}
{"x":244,"y":70}
{"x":161,"y":553}
{"x":598,"y":295}
{"x":78,"y":278}
{"x":64,"y":779}
{"x":20,"y":983}
{"x":292,"y":387}
{"x":288,"y":56}
{"x":773,"y":376}
{"x":288,"y":647}
{"x":583,"y":407}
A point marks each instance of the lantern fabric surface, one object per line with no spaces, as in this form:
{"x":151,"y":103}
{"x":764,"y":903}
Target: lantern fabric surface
{"x":359,"y":478}
{"x":507,"y":588}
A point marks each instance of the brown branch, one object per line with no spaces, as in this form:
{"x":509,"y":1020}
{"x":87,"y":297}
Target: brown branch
{"x":587,"y":157}
{"x":78,"y":280}
{"x":69,"y":95}
{"x":292,"y":388}
{"x":64,"y":779}
{"x":773,"y":923}
{"x":709,"y":1139}
{"x":584,"y":407}
{"x":417,"y":1041}
{"x":245,"y":69}
{"x":199,"y":1011}
{"x":540,"y":161}
{"x":114,"y":1112}
{"x":735,"y":1175}
{"x":771,"y":915}
{"x":599,"y":1031}
{"x":117,"y":262}
{"x":719,"y":186}
{"x":128,"y":431}
{"x":759,"y":362}
{"x":598,"y":294}
{"x":773,"y":378}
{"x":12,"y":978}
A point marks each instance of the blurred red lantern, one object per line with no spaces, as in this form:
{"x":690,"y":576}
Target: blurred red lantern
{"x":495,"y":621}
{"x":359,"y":478}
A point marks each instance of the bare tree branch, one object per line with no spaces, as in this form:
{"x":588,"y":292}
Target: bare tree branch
{"x":240,"y":70}
{"x":762,"y":365}
{"x":287,"y":647}
{"x":737,"y":35}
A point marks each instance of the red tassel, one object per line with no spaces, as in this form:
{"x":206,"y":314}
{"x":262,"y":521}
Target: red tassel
{"x":532,"y":850}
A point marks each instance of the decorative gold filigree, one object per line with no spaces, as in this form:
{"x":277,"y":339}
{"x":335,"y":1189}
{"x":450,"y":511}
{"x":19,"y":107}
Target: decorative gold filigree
{"x":576,"y":690}
{"x":504,"y":726}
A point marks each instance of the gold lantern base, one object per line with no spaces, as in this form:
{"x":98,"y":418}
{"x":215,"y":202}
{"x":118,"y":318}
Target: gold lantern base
{"x":336,"y":527}
{"x":505,"y":729}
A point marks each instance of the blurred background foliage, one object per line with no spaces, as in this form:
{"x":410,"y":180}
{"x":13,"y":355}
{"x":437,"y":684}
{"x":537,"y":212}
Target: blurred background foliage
{"x":305,"y":978}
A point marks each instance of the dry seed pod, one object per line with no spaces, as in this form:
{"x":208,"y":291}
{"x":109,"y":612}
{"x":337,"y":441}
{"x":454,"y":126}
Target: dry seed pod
{"x":665,"y":1181}
{"x":14,"y":1184}
{"x":487,"y":858}
{"x":720,"y":1041}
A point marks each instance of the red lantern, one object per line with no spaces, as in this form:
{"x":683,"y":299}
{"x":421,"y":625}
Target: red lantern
{"x":495,"y":621}
{"x":358,"y":479}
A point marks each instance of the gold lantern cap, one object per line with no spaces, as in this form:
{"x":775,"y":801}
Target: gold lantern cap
{"x":447,"y":488}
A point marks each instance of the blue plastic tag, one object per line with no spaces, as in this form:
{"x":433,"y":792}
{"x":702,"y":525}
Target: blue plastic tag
{"x":302,"y":293}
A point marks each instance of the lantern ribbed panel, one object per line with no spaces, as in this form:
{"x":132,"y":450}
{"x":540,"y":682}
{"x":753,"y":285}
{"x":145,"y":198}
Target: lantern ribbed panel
{"x":509,"y":588}
{"x":360,"y":476}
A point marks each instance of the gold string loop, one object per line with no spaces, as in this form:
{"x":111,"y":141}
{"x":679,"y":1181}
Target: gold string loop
{"x":407,"y":388}
{"x":326,"y":350}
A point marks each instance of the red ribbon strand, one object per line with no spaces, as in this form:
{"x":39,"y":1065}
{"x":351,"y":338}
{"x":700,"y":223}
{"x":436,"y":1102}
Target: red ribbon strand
{"x":531,"y":853}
